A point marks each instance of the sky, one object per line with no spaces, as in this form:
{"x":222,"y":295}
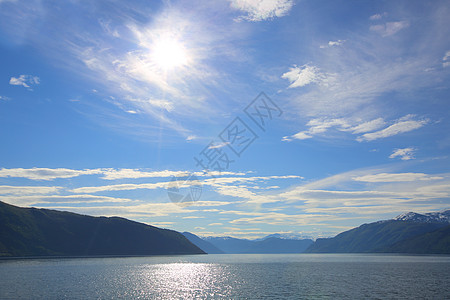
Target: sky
{"x":234,"y":118}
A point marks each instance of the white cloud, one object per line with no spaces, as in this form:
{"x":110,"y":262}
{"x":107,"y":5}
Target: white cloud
{"x":378,"y":16}
{"x":446,"y":56}
{"x":369,"y":192}
{"x":46,"y":173}
{"x":106,"y":173}
{"x":445,"y":59}
{"x":402,"y":125}
{"x":234,"y":180}
{"x":35,"y":199}
{"x":259,"y":10}
{"x":368,"y":126}
{"x":389,"y":28}
{"x":113,"y":174}
{"x":333,"y":43}
{"x":216,"y":182}
{"x":321,"y":125}
{"x":129,"y":211}
{"x":304,"y":75}
{"x":4,"y":98}
{"x":25,"y":80}
{"x":120,"y":187}
{"x":27,"y":190}
{"x":302,"y":135}
{"x":396,"y":177}
{"x":404,"y":153}
{"x":218,"y":145}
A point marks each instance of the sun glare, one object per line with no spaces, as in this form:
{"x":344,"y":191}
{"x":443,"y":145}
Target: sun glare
{"x":169,"y":53}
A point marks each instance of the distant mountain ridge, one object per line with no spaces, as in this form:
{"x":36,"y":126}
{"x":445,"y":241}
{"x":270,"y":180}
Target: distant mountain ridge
{"x":44,"y":232}
{"x":407,"y":233}
{"x":202,"y":244}
{"x":269,"y":244}
{"x":287,"y":236}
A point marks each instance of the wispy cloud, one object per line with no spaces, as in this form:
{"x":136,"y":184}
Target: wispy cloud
{"x":4,"y":98}
{"x":46,"y":173}
{"x":304,"y":75}
{"x":218,"y":145}
{"x":40,"y":200}
{"x":389,"y":28}
{"x":26,"y":81}
{"x":218,"y":182}
{"x":322,"y":125}
{"x":27,"y":190}
{"x":333,"y":44}
{"x":120,"y":187}
{"x":363,"y":74}
{"x":114,"y":174}
{"x":403,"y":153}
{"x":134,"y":211}
{"x":404,"y":124}
{"x":259,"y":10}
{"x":446,"y":60}
{"x":377,"y":193}
{"x":378,"y":16}
{"x":396,"y":177}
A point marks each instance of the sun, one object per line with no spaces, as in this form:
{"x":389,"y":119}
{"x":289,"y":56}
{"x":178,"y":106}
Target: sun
{"x":169,"y":53}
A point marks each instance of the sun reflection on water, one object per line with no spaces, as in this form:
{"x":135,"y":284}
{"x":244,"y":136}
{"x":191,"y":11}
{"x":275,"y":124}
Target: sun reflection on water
{"x":187,"y":280}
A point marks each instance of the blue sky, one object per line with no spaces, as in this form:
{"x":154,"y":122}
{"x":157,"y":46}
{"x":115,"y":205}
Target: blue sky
{"x":104,"y":103}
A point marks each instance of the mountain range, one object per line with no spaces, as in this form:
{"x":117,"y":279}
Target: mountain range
{"x":406,"y":233}
{"x":44,"y":232}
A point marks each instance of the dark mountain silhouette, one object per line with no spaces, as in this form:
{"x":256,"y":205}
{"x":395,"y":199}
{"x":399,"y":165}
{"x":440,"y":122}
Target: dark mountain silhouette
{"x":407,"y":233}
{"x":434,"y":242}
{"x":44,"y":232}
{"x":202,"y":244}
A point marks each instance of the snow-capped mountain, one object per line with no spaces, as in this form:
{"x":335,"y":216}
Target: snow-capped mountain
{"x":434,"y":217}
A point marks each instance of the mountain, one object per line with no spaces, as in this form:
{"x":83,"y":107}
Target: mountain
{"x":407,"y":233}
{"x":435,"y":242}
{"x":44,"y":232}
{"x":267,"y":245}
{"x":287,"y":236}
{"x":434,"y":217}
{"x":202,"y":244}
{"x":230,"y":245}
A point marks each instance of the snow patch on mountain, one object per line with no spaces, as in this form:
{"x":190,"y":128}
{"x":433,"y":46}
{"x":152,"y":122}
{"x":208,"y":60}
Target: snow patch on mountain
{"x":434,"y":217}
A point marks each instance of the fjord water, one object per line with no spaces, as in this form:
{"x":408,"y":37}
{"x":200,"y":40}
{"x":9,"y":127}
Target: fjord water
{"x":222,"y":276}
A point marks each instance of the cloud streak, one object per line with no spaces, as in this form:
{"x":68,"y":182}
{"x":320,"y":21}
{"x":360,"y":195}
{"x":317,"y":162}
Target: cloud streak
{"x":403,"y":125}
{"x":389,"y":28}
{"x":260,"y":10}
{"x":371,"y":129}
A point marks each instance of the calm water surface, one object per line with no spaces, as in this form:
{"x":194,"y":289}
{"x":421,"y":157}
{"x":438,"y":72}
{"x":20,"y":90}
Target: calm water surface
{"x":222,"y":276}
